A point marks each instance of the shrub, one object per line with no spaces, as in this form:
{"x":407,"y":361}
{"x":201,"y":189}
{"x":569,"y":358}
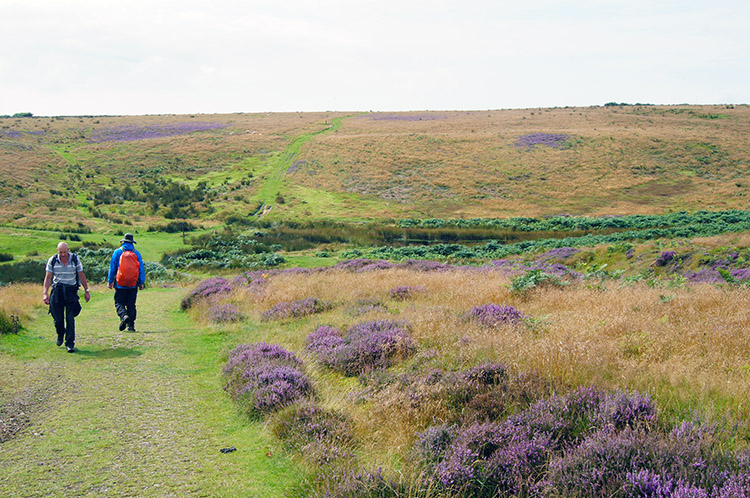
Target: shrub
{"x":665,"y":257}
{"x":493,"y":315}
{"x":321,"y":436}
{"x":224,"y":313}
{"x":510,"y":457}
{"x":405,"y":292}
{"x":365,"y":346}
{"x":207,"y":288}
{"x":23,"y":271}
{"x":533,"y":279}
{"x":364,"y":306}
{"x":346,"y":483}
{"x":264,"y":377}
{"x":560,"y":253}
{"x":296,"y":309}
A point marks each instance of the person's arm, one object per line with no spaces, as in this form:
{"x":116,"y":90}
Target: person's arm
{"x":141,"y":272}
{"x":47,"y":282}
{"x":82,"y":279}
{"x":113,"y":263}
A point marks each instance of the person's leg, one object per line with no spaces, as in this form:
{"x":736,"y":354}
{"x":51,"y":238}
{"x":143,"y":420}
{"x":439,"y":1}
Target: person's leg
{"x":70,"y":326}
{"x":132,"y":297}
{"x":57,"y":309}
{"x":121,"y":306}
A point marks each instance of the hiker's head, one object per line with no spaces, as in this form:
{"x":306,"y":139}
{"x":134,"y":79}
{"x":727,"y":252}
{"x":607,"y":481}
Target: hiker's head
{"x":63,"y":251}
{"x":128,"y":238}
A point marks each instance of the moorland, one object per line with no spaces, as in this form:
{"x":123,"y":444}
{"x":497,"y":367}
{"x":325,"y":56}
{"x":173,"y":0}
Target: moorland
{"x":537,"y":302}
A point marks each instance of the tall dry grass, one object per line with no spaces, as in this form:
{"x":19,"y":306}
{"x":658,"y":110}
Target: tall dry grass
{"x":687,"y":347}
{"x":21,"y":299}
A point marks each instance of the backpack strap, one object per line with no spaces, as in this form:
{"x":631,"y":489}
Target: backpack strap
{"x":74,"y":258}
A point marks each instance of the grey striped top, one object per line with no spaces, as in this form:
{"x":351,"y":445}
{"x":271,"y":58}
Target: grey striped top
{"x":65,"y":274}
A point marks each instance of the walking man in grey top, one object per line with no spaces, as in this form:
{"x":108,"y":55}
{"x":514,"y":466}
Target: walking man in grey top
{"x":64,"y":273}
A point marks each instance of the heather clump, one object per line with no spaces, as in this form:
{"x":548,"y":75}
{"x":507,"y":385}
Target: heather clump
{"x":364,"y":306}
{"x":507,"y":457}
{"x":224,"y":313}
{"x":320,"y":436}
{"x":494,"y":315}
{"x":485,"y":392}
{"x":130,"y":133}
{"x":296,"y":309}
{"x":405,"y":292}
{"x":208,"y":288}
{"x":531,"y":140}
{"x":365,"y":346}
{"x":344,"y":482}
{"x":665,"y":257}
{"x":558,"y":253}
{"x":325,"y":343}
{"x":263,"y":378}
{"x":686,"y":462}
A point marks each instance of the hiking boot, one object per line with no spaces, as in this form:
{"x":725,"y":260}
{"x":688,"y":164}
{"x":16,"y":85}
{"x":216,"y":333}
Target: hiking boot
{"x":71,"y":349}
{"x":59,"y":340}
{"x":124,"y":322}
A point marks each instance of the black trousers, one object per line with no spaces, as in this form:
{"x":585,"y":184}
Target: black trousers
{"x":125,"y":303}
{"x":64,"y":307}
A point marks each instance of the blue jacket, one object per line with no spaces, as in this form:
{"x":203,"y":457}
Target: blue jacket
{"x":114,"y":264}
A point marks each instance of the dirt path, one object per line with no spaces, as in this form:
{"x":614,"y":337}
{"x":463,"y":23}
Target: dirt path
{"x":131,"y":414}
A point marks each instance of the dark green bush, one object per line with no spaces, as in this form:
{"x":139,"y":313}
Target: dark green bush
{"x":23,"y":271}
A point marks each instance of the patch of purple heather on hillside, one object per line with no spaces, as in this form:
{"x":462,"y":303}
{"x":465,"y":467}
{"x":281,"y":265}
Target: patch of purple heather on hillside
{"x":518,"y":267}
{"x":405,"y":292}
{"x":296,"y":309}
{"x":505,"y":457}
{"x":558,"y":253}
{"x":207,"y":288}
{"x":224,"y":313}
{"x":264,"y":377}
{"x":708,"y":275}
{"x":531,"y":140}
{"x":404,"y":117}
{"x":665,"y":257}
{"x":494,"y":315}
{"x":130,"y":133}
{"x":364,"y":347}
{"x":366,"y":305}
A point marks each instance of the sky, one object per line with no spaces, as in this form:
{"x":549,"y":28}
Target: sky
{"x":134,"y":57}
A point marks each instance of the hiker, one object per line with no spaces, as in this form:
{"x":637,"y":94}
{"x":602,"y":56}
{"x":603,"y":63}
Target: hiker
{"x":126,"y":275}
{"x":64,"y":273}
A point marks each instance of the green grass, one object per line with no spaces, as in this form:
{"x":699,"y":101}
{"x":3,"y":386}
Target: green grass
{"x":140,"y":414}
{"x":20,"y":242}
{"x":278,"y":164}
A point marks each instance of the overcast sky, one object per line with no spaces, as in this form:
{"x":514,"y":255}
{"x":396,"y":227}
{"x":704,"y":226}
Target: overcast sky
{"x":80,"y":57}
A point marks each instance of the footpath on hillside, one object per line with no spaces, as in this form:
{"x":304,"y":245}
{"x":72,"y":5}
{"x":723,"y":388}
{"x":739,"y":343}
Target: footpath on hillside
{"x":130,"y":414}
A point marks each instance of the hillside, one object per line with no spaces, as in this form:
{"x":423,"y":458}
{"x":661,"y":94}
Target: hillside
{"x":106,"y":174}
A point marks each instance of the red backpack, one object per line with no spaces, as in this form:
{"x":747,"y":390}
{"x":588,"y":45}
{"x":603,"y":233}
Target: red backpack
{"x":127,"y":273}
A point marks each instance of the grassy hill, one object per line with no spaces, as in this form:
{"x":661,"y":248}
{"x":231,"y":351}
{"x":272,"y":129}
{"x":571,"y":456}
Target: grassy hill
{"x":453,"y":330}
{"x":110,"y":173}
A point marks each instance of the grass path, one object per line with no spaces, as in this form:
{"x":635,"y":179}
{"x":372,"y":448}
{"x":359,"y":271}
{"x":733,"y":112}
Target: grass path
{"x":280,"y":163}
{"x":131,"y":414}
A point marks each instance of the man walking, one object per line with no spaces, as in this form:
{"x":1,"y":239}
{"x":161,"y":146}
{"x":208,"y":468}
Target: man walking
{"x":126,"y":275}
{"x":64,"y":273}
